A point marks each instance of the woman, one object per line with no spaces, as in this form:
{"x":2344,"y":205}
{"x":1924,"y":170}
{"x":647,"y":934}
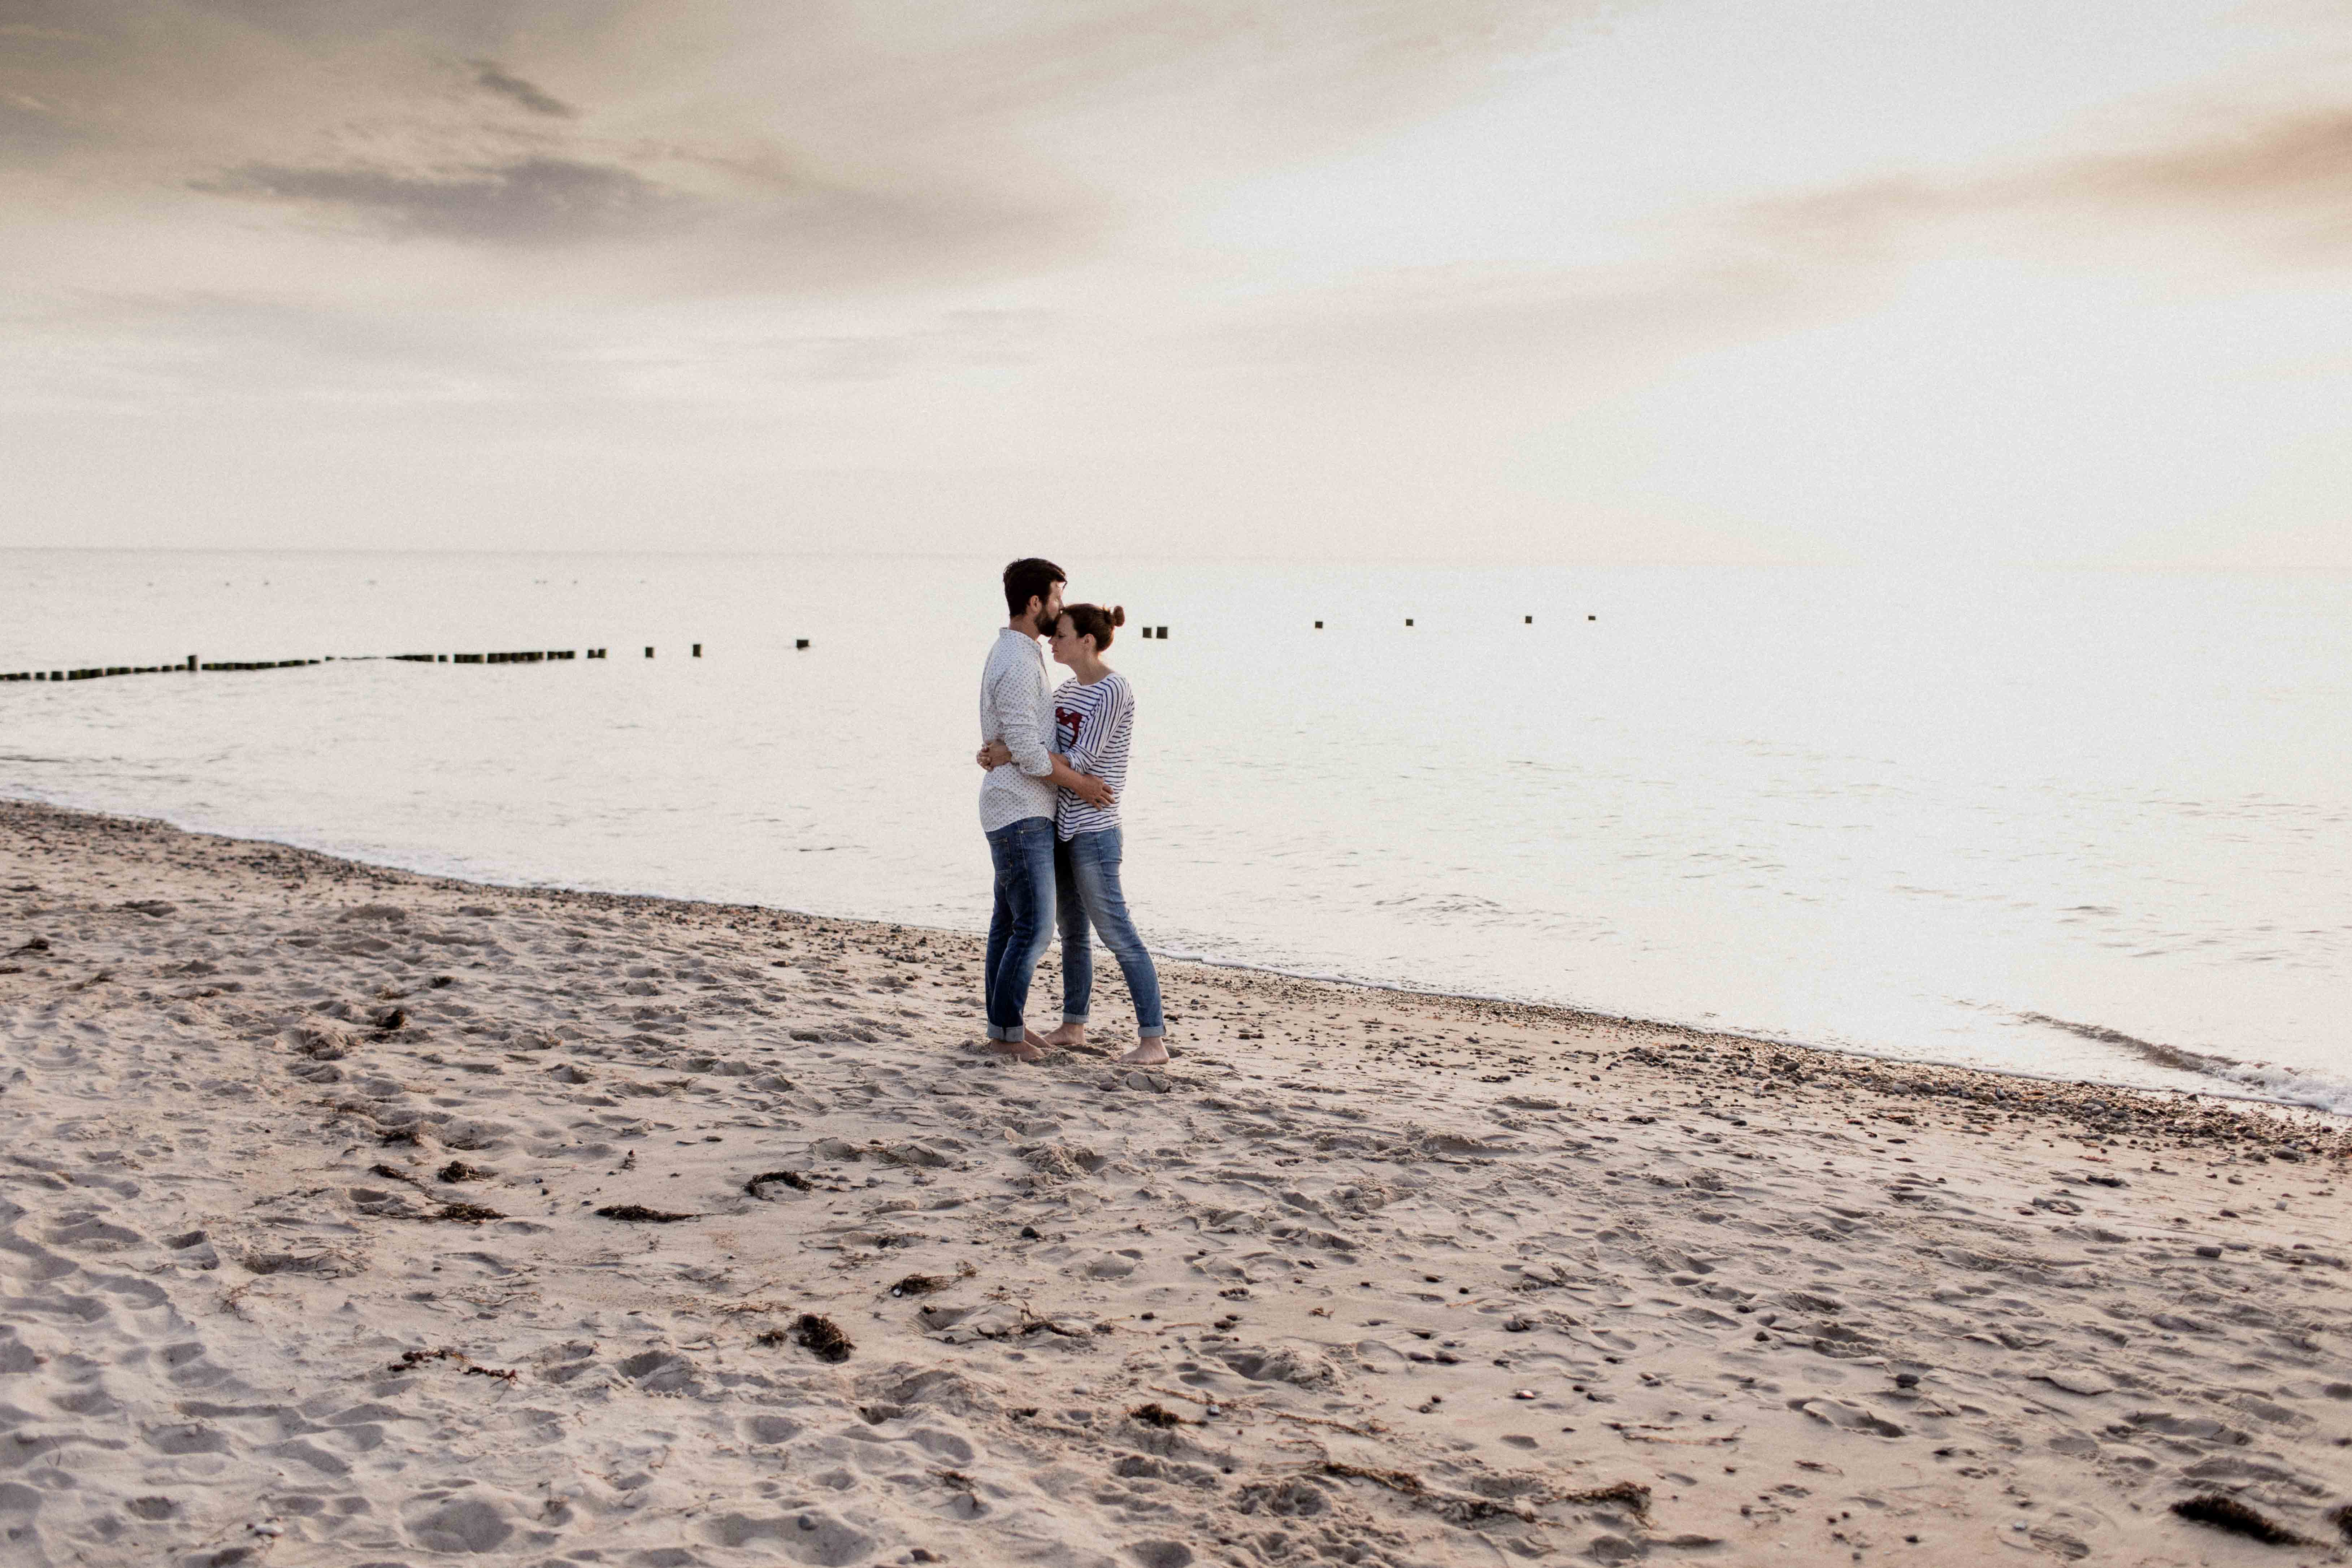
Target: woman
{"x":1094,"y":720}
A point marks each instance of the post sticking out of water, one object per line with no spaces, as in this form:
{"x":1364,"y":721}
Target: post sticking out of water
{"x":1527,"y":620}
{"x":697,"y":650}
{"x":192,"y":663}
{"x":649,"y":653}
{"x":1163,"y":634}
{"x":799,"y":642}
{"x":1592,"y":617}
{"x":1408,"y":620}
{"x":1318,"y":625}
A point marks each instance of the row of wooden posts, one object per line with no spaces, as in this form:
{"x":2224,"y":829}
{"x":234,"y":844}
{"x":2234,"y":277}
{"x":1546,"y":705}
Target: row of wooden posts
{"x":493,"y":657}
{"x":193,"y":664}
{"x":99,"y":671}
{"x":1524,"y":620}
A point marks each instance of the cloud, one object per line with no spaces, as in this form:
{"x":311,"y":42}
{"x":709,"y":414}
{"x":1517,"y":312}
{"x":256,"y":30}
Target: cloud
{"x":488,"y":77}
{"x":528,"y":201}
{"x":2281,"y":184}
{"x":2296,"y":167}
{"x":936,"y":120}
{"x":30,"y":127}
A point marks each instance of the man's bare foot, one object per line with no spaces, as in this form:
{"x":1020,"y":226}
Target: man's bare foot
{"x":1024,"y":1050}
{"x":1067,"y":1034}
{"x":1151,"y":1053}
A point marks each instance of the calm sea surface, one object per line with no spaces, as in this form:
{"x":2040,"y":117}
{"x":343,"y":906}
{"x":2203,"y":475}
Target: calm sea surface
{"x":2081,"y":824}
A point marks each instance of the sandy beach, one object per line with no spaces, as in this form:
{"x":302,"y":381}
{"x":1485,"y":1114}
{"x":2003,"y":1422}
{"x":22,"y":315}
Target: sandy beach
{"x":354,"y":1216}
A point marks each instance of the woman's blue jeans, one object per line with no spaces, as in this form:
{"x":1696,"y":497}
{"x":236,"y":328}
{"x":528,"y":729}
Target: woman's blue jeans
{"x":1085,"y":889}
{"x":1022,"y":923}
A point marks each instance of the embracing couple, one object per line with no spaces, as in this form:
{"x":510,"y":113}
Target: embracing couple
{"x":1056,"y":761}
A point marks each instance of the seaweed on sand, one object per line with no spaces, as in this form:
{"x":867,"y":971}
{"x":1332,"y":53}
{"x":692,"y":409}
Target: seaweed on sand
{"x":2227,"y":1514}
{"x":821,"y":1338}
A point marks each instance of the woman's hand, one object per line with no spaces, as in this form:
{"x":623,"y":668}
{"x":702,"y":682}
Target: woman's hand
{"x":995,"y":754}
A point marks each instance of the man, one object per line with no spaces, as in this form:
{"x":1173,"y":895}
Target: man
{"x":1016,"y":800}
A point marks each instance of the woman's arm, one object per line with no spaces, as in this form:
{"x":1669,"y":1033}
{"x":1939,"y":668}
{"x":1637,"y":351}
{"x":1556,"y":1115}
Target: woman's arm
{"x":1118,"y":708}
{"x":1085,"y":787}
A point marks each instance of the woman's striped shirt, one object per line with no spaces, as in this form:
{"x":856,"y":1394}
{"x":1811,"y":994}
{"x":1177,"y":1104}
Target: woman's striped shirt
{"x":1092,"y":726}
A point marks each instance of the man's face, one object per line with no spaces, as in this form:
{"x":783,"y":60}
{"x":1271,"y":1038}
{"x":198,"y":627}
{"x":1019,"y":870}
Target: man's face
{"x":1052,"y":612}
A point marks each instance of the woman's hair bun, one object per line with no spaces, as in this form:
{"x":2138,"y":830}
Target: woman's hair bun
{"x":1093,"y":621}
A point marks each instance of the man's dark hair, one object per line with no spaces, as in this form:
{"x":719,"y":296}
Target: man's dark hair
{"x":1030,"y":578}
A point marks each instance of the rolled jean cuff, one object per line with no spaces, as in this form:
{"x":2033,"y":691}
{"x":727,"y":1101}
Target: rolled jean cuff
{"x":1153,"y":1033}
{"x":1002,"y":1032}
{"x":1070,"y":1017}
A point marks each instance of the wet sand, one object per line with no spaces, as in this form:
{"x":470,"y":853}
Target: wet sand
{"x":348,"y":1216}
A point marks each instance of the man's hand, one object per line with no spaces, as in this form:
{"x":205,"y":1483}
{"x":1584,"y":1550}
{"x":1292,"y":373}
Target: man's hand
{"x":1093,"y":791}
{"x":996,"y":755}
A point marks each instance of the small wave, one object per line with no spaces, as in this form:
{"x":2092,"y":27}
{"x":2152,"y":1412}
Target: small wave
{"x":2284,"y":1084}
{"x":1442,"y":908}
{"x":2149,"y":1050}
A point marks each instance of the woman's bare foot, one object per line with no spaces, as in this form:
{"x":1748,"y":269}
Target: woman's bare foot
{"x":1067,"y":1034}
{"x":1151,"y":1053}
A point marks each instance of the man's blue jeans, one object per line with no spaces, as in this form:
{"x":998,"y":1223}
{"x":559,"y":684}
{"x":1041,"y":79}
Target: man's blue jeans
{"x":1086,"y":876}
{"x":1023,"y":921}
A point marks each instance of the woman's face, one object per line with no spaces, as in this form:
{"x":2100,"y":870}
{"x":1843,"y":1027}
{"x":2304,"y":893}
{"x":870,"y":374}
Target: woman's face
{"x":1066,"y":646}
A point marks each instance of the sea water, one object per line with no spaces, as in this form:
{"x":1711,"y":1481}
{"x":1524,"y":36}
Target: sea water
{"x":2081,"y":825}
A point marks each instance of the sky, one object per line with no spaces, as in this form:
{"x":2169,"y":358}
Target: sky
{"x":1938,"y":284}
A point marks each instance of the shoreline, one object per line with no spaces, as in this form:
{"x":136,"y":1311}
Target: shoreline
{"x":1562,"y":1011}
{"x":1632,"y":1020}
{"x":354,"y":1214}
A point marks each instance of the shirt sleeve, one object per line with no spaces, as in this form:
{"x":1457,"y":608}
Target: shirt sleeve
{"x":1020,"y":709}
{"x":1104,"y":723}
